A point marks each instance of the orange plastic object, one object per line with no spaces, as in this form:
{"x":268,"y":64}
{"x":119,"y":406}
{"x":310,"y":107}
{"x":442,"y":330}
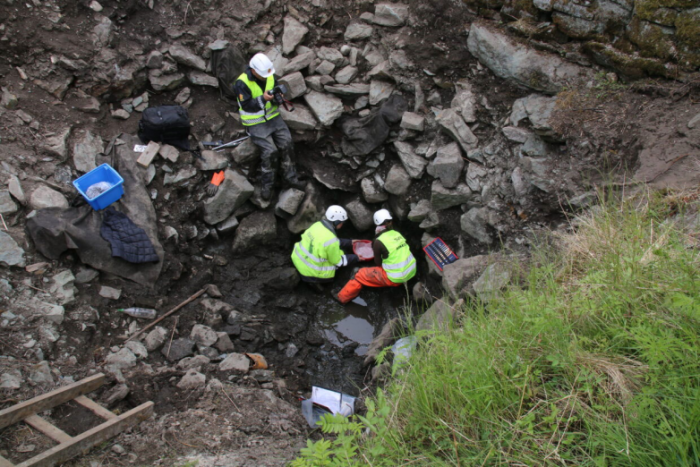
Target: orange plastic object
{"x":217,"y":178}
{"x":259,"y":362}
{"x":363,"y":249}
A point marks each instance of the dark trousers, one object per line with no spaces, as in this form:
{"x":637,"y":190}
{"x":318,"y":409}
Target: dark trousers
{"x":275,"y":142}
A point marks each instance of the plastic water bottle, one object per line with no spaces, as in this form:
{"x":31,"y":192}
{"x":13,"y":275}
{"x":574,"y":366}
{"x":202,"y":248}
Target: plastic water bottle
{"x":145,"y":313}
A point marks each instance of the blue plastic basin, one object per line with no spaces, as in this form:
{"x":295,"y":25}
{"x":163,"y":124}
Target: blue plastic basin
{"x":103,"y":173}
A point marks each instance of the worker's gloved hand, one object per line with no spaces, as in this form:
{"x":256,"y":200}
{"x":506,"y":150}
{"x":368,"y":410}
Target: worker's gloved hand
{"x":212,"y":189}
{"x":343,"y":262}
{"x":216,"y":180}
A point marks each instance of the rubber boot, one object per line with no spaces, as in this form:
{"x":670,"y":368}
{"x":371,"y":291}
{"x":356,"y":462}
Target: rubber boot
{"x":291,"y":178}
{"x":267,"y":175}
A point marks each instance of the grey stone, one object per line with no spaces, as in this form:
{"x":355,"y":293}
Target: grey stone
{"x":399,"y":59}
{"x":443,"y":198}
{"x":86,"y":275}
{"x":180,"y":176}
{"x":212,"y":160}
{"x":475,"y":172}
{"x":473,"y":222}
{"x":12,"y":379}
{"x":296,"y":86}
{"x":526,"y":67}
{"x":325,"y":68}
{"x":447,"y":165}
{"x":390,"y":14}
{"x":350,"y":90}
{"x":438,"y":316}
{"x":223,"y":343}
{"x":494,"y":278}
{"x":227,"y":225}
{"x":457,"y":277}
{"x":62,"y":287}
{"x":301,"y":119}
{"x":414,"y":165}
{"x":182,"y":54}
{"x":246,"y":152}
{"x":431,"y":222}
{"x":288,"y":203}
{"x":138,"y":349}
{"x":397,"y":181}
{"x":360,"y":215}
{"x":279,"y":61}
{"x":123,"y":359}
{"x":192,"y":380}
{"x":412,"y":121}
{"x":8,"y":100}
{"x":294,"y":33}
{"x":361,"y":102}
{"x":283,"y":278}
{"x":454,"y":125}
{"x":15,"y":188}
{"x":330,"y":54}
{"x":40,"y":373}
{"x":219,"y":44}
{"x":199,"y":78}
{"x":163,"y":82}
{"x":317,"y":83}
{"x":538,"y":110}
{"x":381,"y":71}
{"x":520,"y":184}
{"x":57,"y":144}
{"x":259,"y":228}
{"x":464,"y":102}
{"x":110,"y":292}
{"x":358,"y":32}
{"x":178,"y":349}
{"x":515,"y":134}
{"x":235,"y":362}
{"x":371,"y":192}
{"x":203,"y":335}
{"x":346,"y":75}
{"x":154,"y":60}
{"x":232,"y":193}
{"x":120,"y":114}
{"x":326,"y":108}
{"x":7,"y":206}
{"x":299,"y":62}
{"x":183,"y":96}
{"x":311,"y":210}
{"x":693,"y":122}
{"x":84,"y":151}
{"x":45,"y":197}
{"x":155,"y":338}
{"x":420,"y":211}
{"x":379,"y":90}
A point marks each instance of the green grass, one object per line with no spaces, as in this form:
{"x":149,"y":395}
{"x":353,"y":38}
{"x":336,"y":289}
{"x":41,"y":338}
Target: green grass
{"x":594,"y":359}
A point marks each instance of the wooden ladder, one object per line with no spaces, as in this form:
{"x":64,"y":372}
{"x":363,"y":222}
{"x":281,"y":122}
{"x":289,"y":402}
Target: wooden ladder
{"x":70,"y":446}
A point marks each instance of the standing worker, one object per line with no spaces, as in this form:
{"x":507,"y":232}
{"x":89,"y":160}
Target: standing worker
{"x":320,"y":252}
{"x":395,"y":263}
{"x":261,"y":117}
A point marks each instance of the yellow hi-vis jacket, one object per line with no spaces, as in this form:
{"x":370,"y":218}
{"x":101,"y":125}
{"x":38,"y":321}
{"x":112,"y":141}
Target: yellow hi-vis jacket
{"x":317,"y":253}
{"x":270,"y":111}
{"x":400,"y":265}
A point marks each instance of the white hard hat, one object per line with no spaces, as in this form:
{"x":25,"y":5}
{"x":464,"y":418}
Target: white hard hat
{"x":336,"y":213}
{"x":381,"y":216}
{"x":262,"y":65}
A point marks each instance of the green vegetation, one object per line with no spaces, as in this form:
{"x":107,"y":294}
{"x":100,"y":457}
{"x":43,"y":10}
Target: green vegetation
{"x":594,"y":360}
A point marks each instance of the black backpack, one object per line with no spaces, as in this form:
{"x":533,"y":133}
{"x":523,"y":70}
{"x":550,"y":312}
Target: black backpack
{"x":227,"y":65}
{"x":169,"y":124}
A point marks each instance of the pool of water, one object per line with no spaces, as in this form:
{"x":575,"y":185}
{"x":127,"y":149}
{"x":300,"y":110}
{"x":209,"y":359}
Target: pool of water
{"x":344,"y":325}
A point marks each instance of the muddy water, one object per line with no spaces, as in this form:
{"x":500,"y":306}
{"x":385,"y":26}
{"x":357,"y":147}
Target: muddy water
{"x":347,"y":325}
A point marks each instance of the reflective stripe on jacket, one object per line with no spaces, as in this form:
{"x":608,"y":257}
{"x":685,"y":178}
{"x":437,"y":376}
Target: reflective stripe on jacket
{"x":270,"y":111}
{"x":317,"y":253}
{"x":400,"y":265}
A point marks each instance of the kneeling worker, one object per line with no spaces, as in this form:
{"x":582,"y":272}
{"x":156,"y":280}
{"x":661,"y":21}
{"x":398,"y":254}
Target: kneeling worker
{"x":395,"y":263}
{"x":320,"y":252}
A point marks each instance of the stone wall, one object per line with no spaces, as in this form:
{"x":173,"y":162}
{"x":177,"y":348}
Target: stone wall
{"x":637,"y":38}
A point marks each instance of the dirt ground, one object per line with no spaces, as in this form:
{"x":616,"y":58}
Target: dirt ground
{"x":637,"y":132}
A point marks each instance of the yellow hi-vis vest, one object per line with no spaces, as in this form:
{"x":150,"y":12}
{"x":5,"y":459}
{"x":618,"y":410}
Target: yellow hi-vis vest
{"x":270,"y":111}
{"x":317,"y":253}
{"x":400,"y":265}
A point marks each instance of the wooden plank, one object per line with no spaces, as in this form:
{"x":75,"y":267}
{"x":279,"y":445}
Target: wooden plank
{"x":149,"y":154}
{"x":90,"y":438}
{"x":5,"y":463}
{"x":19,"y":412}
{"x":52,"y":431}
{"x":96,"y":408}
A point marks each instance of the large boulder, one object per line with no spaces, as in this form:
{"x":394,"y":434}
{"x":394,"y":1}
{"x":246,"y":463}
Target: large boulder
{"x":414,"y":164}
{"x":454,"y":126}
{"x":300,"y":119}
{"x":538,"y":110}
{"x":447,"y":165}
{"x":311,"y":210}
{"x":390,"y":14}
{"x":397,"y":181}
{"x":326,"y":108}
{"x":458,"y":277}
{"x":182,"y":54}
{"x":372,"y":192}
{"x":440,"y":315}
{"x":474,"y":223}
{"x":294,"y":33}
{"x":233,"y":192}
{"x":84,"y":151}
{"x":45,"y":197}
{"x":259,"y":228}
{"x":517,"y":62}
{"x":360,"y":215}
{"x":443,"y":198}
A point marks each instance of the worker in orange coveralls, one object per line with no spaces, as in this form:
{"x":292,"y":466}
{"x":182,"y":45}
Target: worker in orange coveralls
{"x":395,"y":263}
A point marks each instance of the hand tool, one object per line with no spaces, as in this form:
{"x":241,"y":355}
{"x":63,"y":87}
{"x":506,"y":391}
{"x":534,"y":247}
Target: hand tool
{"x":439,"y":255}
